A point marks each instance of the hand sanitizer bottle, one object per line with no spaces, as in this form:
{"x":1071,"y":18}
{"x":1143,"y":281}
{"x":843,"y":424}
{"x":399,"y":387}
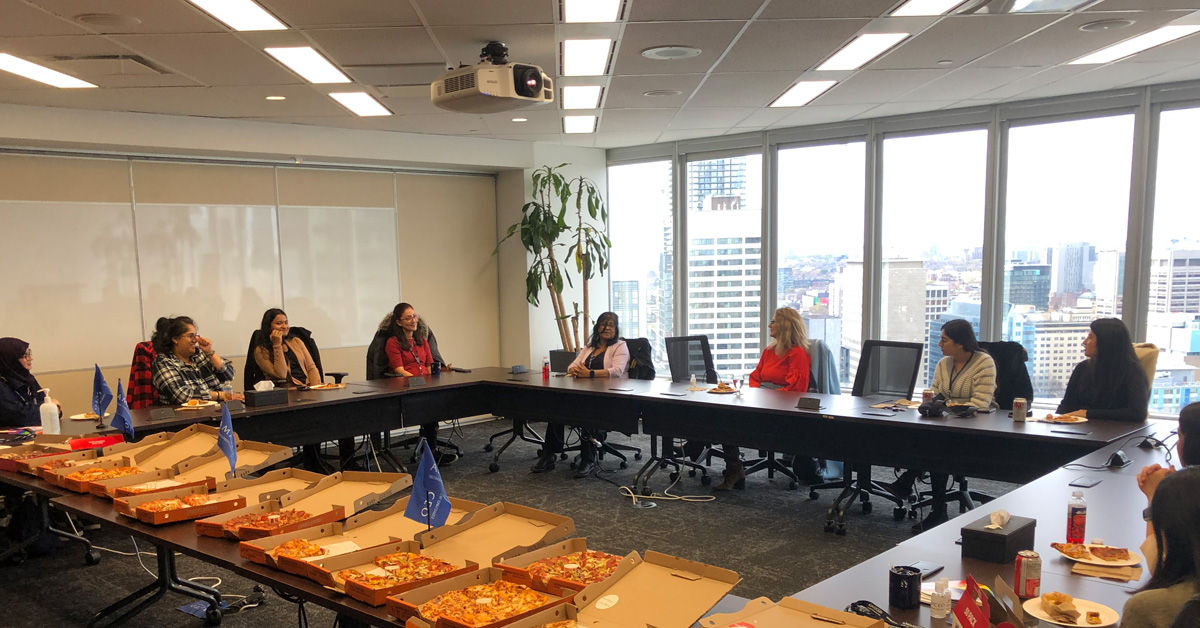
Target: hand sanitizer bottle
{"x":939,"y":603}
{"x":49,"y":412}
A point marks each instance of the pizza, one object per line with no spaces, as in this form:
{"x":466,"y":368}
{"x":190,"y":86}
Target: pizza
{"x":97,"y":474}
{"x":722,"y":387}
{"x":58,"y":464}
{"x":584,"y":567}
{"x":408,"y":567}
{"x":1064,"y":418}
{"x":1109,"y":553}
{"x":266,"y":521}
{"x":1078,"y":551}
{"x":369,"y":580}
{"x":298,"y":548}
{"x":161,"y":505}
{"x":483,"y":604}
{"x":566,"y":623}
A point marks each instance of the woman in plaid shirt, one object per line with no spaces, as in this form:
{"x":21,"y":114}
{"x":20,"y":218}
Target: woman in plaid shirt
{"x":187,"y":367}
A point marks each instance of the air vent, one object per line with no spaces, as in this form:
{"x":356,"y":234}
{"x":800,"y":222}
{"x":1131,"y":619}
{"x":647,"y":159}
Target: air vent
{"x":460,"y":82}
{"x":108,"y":65}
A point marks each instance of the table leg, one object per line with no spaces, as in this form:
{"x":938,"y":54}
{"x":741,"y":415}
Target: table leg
{"x":167,"y":580}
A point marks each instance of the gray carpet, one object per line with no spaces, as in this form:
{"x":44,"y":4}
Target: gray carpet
{"x":771,"y":536}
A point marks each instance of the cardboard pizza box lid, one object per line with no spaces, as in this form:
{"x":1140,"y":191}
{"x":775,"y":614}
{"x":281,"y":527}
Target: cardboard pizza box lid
{"x":129,"y":449}
{"x":108,"y":488}
{"x":59,"y":477}
{"x":375,"y":527}
{"x":496,"y":532}
{"x":32,"y":466}
{"x":251,"y":456}
{"x":324,"y":570}
{"x":660,"y":590}
{"x":128,"y":505}
{"x":194,"y":440}
{"x":404,"y":605}
{"x":352,"y":490}
{"x":325,"y":535}
{"x":271,"y":485}
{"x":788,"y":613}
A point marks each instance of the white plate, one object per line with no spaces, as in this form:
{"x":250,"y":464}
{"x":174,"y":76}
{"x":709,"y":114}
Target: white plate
{"x":202,"y":404}
{"x":84,"y":417}
{"x":1075,"y":420}
{"x":326,"y":386}
{"x":1108,"y":617}
{"x":1133,"y":560}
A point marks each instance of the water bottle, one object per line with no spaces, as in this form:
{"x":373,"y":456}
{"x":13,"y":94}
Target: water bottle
{"x":1076,"y":518}
{"x":545,"y":369}
{"x":49,"y":413}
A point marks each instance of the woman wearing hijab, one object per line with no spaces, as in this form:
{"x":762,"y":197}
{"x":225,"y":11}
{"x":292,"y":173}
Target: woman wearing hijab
{"x":19,"y":396}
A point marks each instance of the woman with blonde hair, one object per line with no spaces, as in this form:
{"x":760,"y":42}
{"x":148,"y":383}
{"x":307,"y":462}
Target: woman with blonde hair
{"x":783,"y":365}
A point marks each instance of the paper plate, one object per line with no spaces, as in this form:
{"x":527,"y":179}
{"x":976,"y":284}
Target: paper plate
{"x":326,"y":386}
{"x":714,"y":391}
{"x":84,"y":417}
{"x":1108,"y":617}
{"x":202,"y":404}
{"x":1064,"y":420}
{"x":1133,"y":560}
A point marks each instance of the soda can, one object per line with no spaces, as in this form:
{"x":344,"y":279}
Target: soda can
{"x":927,"y":396}
{"x":1028,"y":579}
{"x":1020,"y":409}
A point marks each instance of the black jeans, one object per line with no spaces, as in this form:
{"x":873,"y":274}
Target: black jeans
{"x":556,"y":435}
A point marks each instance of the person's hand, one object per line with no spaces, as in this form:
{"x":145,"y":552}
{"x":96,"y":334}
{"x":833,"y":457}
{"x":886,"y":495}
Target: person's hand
{"x":276,"y":337}
{"x":1149,"y":478}
{"x":205,"y":344}
{"x":238,"y":397}
{"x":577,"y":370}
{"x":60,"y":410}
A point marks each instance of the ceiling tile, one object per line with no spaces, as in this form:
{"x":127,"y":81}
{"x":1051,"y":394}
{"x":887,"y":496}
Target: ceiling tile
{"x":526,"y":44}
{"x":301,"y":100}
{"x":156,"y":16}
{"x":876,"y":86}
{"x":376,"y":46}
{"x":688,"y":118}
{"x":225,"y":61}
{"x":795,"y":45}
{"x":348,"y":121}
{"x":1144,"y":5}
{"x":766,"y":116}
{"x":903,"y":108}
{"x":185,"y":101}
{"x":447,"y":123}
{"x":618,"y":140}
{"x":691,"y":10}
{"x":487,"y":12}
{"x":396,"y":74}
{"x":815,"y":114}
{"x":628,"y":92}
{"x":538,"y":121}
{"x":640,"y":120}
{"x":965,"y":83}
{"x":409,"y":100}
{"x":675,"y":136}
{"x":531,"y":137}
{"x":22,"y":20}
{"x":1106,"y":77}
{"x":1013,"y":90}
{"x":712,"y":38}
{"x":45,"y":48}
{"x":828,"y":8}
{"x":1187,"y":73}
{"x":1063,"y":41}
{"x":311,"y":13}
{"x":586,"y":140}
{"x":756,"y":89}
{"x":961,"y":39}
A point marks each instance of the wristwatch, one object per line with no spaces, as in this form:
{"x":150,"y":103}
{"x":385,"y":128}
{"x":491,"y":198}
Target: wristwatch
{"x":591,"y":373}
{"x":1146,"y":513}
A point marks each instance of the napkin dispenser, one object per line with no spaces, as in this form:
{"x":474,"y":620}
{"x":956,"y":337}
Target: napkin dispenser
{"x":997,"y":546}
{"x":260,"y":398}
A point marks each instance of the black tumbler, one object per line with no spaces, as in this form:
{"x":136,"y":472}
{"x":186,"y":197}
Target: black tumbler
{"x":904,"y":588}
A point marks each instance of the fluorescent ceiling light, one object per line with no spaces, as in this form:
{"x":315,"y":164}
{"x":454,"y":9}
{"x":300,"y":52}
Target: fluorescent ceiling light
{"x":241,"y":15}
{"x":585,"y":57}
{"x":579,"y":124}
{"x":1156,"y":37}
{"x":862,"y":50}
{"x":914,"y":8}
{"x":591,"y":10}
{"x":39,"y":73}
{"x":361,"y":103}
{"x":1041,"y":6}
{"x":309,"y":63}
{"x":581,"y":97}
{"x":802,"y":93}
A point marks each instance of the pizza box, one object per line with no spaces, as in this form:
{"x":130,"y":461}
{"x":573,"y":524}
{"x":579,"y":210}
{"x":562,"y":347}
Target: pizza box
{"x":404,"y":606}
{"x":95,"y":441}
{"x":82,"y":486}
{"x":364,"y":530}
{"x":33,"y":450}
{"x":518,"y":567}
{"x":660,"y":590}
{"x":788,"y":613}
{"x":363,"y":560}
{"x":207,"y":469}
{"x":332,"y":499}
{"x":120,"y":451}
{"x":271,"y":485}
{"x":108,"y":488}
{"x":128,"y":506}
{"x":496,"y":532}
{"x":33,"y":465}
{"x":193,"y":440}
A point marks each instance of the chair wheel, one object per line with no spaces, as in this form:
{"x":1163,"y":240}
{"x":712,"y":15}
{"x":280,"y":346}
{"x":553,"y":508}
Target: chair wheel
{"x":898,"y":514}
{"x":691,"y":473}
{"x":562,"y":456}
{"x":813,"y":495}
{"x":662,"y":465}
{"x":213,"y":616}
{"x":793,"y":485}
{"x":637,"y":456}
{"x":494,"y":467}
{"x":912,"y":514}
{"x":624,"y":465}
{"x":92,"y":557}
{"x":674,"y":477}
{"x":705,"y":480}
{"x":572,"y":465}
{"x":867,"y":507}
{"x":488,"y":447}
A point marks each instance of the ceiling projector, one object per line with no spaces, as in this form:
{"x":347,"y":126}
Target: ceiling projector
{"x":493,"y":85}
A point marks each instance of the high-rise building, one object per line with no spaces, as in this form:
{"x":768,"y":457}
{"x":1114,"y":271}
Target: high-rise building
{"x":903,"y":306}
{"x":725,"y":286}
{"x":712,"y":181}
{"x":1054,"y":341}
{"x":1072,"y":268}
{"x":937,"y":301}
{"x":1027,"y":284}
{"x":1110,"y":282}
{"x":1175,"y":279}
{"x":626,"y":304}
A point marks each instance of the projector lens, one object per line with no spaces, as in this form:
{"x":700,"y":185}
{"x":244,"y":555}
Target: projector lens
{"x":527,"y":80}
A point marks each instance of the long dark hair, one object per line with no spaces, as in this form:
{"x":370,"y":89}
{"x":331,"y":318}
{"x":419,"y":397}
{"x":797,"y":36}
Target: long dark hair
{"x":166,"y":330}
{"x":1175,"y":511}
{"x":398,"y":333}
{"x":1189,"y":433}
{"x":594,"y":342}
{"x":264,"y":329}
{"x":1115,"y":362}
{"x":961,"y":332}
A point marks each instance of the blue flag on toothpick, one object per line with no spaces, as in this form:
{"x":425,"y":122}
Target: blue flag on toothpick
{"x":429,"y":503}
{"x":101,"y":394}
{"x":121,"y":419}
{"x":226,"y":440}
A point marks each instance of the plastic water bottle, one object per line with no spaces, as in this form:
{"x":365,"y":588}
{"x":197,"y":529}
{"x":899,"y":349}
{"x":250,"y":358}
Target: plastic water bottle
{"x":49,"y":413}
{"x":939,"y":602}
{"x":1076,"y":518}
{"x":545,"y":369}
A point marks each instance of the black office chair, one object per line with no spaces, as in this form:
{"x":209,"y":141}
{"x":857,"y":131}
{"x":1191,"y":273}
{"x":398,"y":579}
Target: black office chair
{"x":884,"y":368}
{"x":687,"y":356}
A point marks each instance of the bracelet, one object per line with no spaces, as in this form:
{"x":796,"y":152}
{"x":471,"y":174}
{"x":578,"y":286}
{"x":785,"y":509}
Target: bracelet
{"x":591,"y":374}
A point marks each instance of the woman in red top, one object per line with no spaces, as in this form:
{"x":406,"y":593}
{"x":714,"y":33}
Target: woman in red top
{"x":783,"y":366}
{"x":409,"y":355}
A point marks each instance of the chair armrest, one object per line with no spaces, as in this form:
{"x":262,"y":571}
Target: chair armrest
{"x":337,"y":376}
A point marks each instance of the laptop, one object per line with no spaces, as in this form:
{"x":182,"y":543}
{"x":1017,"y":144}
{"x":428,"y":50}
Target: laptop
{"x":560,"y":360}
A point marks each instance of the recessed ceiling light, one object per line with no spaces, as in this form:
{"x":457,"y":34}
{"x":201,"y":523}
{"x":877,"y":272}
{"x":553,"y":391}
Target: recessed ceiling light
{"x":1101,"y":26}
{"x":925,"y":7}
{"x":579,"y":124}
{"x":670,"y":53}
{"x":662,"y":93}
{"x":585,"y":57}
{"x":241,"y":15}
{"x":1145,"y":41}
{"x":802,"y":93}
{"x":108,"y":20}
{"x":276,"y":97}
{"x":361,"y":103}
{"x":39,"y":73}
{"x":861,"y":50}
{"x":575,"y":11}
{"x":520,"y":119}
{"x":308,"y":63}
{"x":581,"y":97}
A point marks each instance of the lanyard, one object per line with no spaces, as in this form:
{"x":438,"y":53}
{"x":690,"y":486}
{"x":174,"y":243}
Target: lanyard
{"x":954,"y":375}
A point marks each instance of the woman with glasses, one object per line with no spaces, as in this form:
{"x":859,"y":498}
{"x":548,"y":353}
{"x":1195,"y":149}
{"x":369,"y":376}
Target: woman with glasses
{"x":19,"y":396}
{"x":605,"y":356}
{"x":409,"y":355}
{"x":187,"y":366}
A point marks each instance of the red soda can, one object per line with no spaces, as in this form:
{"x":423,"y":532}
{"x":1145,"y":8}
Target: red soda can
{"x":1020,"y":410}
{"x":927,"y":396}
{"x":1028,"y":579}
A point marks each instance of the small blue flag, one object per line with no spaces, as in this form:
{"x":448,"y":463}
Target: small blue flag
{"x":429,"y":503}
{"x":101,"y":395}
{"x":121,"y":419}
{"x":225,"y":439}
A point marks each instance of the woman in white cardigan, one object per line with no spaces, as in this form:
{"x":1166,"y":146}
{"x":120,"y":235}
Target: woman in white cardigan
{"x":605,"y":356}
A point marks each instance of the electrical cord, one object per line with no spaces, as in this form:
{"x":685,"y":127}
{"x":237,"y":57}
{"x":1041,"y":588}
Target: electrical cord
{"x":867,"y":608}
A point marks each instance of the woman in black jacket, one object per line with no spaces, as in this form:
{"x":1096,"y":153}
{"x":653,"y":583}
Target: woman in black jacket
{"x":1110,"y":384}
{"x":19,"y":396}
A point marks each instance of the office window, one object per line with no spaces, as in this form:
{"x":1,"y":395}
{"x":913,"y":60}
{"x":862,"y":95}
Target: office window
{"x":1066,"y":216}
{"x":1173,"y":322}
{"x":642,"y":260}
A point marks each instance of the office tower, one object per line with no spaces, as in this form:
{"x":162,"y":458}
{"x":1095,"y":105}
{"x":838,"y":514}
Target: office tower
{"x":626,"y":304}
{"x":784,"y":281}
{"x":937,"y":301}
{"x":1072,"y":268}
{"x":661,"y":313}
{"x":1027,"y":284}
{"x":1110,"y":282}
{"x":714,"y":183}
{"x":725,"y":285}
{"x":903,"y":306}
{"x":1054,"y":341}
{"x":1175,"y":279}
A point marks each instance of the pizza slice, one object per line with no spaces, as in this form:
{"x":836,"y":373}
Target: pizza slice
{"x":585,"y":567}
{"x":409,"y":567}
{"x":1078,"y":551}
{"x":1111,"y":554}
{"x":372,"y":581}
{"x":297,"y":548}
{"x":566,"y":623}
{"x":266,"y":521}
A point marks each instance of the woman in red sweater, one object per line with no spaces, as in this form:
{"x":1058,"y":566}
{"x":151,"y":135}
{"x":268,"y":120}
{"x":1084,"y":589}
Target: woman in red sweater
{"x":783,"y":366}
{"x":409,"y":355}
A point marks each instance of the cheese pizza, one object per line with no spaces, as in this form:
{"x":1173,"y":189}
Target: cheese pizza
{"x":408,"y":567}
{"x":267,"y":521}
{"x":584,"y":567}
{"x":162,"y":505}
{"x":369,"y":580}
{"x":484,"y":604}
{"x":1109,"y":553}
{"x":566,"y":623}
{"x":96,"y":474}
{"x":1078,"y":551}
{"x":297,"y":548}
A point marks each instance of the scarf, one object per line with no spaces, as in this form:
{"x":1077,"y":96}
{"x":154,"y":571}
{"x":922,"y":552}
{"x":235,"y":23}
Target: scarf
{"x":11,"y":369}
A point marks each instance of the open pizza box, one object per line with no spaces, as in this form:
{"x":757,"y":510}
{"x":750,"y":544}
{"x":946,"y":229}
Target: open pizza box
{"x":271,"y":485}
{"x":120,"y":451}
{"x":518,"y":567}
{"x":82,"y":484}
{"x":192,"y":441}
{"x":788,"y":613}
{"x":33,"y":466}
{"x":331,"y":499}
{"x":499,"y":531}
{"x":405,"y":606}
{"x":364,"y":530}
{"x":208,"y":469}
{"x":363,"y":560}
{"x":44,"y":445}
{"x":132,"y":506}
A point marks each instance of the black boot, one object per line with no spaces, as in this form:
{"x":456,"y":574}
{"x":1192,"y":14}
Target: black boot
{"x":936,"y":517}
{"x":587,"y":459}
{"x":903,"y":486}
{"x":545,"y":463}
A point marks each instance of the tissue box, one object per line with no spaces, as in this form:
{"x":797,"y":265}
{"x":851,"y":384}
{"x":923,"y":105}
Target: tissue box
{"x":259,"y":398}
{"x":997,"y":546}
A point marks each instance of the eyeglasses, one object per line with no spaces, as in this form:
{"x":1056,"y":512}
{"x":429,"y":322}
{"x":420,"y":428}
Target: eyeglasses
{"x":28,"y":354}
{"x":606,"y":324}
{"x":409,"y":318}
{"x":191,"y":336}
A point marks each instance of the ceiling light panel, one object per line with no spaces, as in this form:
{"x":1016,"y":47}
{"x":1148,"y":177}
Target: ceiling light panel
{"x":39,"y":73}
{"x":241,"y":15}
{"x":576,"y":11}
{"x":579,"y":124}
{"x":862,"y":50}
{"x":1145,"y":41}
{"x":802,"y":93}
{"x":581,"y":97}
{"x":309,"y":64}
{"x":585,"y":57}
{"x":361,"y":103}
{"x":919,"y":8}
